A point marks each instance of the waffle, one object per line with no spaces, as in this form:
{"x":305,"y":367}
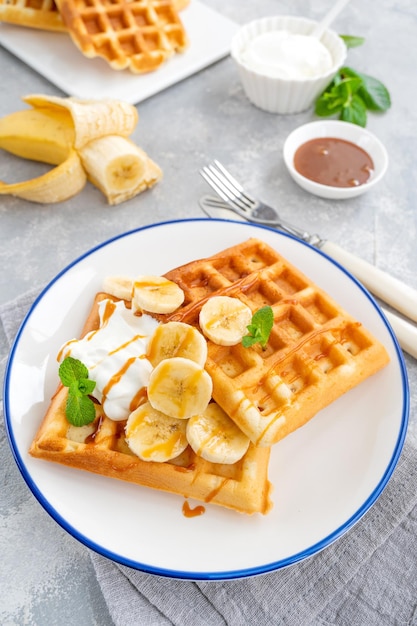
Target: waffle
{"x":102,"y":449}
{"x":316,"y":351}
{"x":42,"y":14}
{"x":139,"y":34}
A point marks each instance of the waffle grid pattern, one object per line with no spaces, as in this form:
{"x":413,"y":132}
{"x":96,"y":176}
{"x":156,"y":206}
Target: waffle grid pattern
{"x":316,"y":351}
{"x":139,"y":35}
{"x":101,"y":448}
{"x":42,"y":14}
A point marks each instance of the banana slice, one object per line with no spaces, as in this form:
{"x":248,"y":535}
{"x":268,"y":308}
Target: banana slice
{"x":153,"y":436}
{"x":156,"y":294}
{"x":118,"y":286}
{"x":176,"y":339}
{"x":179,"y":388}
{"x":224,"y":320}
{"x":215,"y":437}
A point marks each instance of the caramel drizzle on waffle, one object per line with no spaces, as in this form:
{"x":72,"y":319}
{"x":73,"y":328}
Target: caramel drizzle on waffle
{"x":316,"y":351}
{"x":243,"y":486}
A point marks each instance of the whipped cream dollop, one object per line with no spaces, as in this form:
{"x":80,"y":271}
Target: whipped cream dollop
{"x":115,"y":356}
{"x":281,"y":54}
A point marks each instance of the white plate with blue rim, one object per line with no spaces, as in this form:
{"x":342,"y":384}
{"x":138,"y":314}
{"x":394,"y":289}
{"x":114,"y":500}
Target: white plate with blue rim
{"x":326,"y":475}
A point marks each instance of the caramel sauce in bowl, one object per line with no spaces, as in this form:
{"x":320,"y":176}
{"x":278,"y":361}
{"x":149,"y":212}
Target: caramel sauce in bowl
{"x":334,"y":159}
{"x":333,"y":162}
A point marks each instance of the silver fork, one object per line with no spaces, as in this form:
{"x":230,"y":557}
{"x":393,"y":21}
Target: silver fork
{"x":239,"y":201}
{"x":389,"y":289}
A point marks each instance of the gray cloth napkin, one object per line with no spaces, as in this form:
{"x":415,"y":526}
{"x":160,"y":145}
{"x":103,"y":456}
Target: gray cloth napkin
{"x":367,"y":577}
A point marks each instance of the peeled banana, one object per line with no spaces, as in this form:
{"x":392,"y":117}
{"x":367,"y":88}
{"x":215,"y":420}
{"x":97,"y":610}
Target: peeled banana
{"x":118,"y":167}
{"x":91,"y":135}
{"x":38,"y":135}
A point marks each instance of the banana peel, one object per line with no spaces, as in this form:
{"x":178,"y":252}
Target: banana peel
{"x":57,"y":185}
{"x":91,"y":118}
{"x":85,"y":139}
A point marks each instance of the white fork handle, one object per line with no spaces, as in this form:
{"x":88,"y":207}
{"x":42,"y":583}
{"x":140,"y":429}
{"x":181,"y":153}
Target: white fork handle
{"x":405,"y":332}
{"x":389,"y":289}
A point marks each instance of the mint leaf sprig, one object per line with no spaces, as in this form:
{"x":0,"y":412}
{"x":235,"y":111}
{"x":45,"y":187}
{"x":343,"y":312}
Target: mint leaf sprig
{"x":259,"y":328}
{"x":79,"y":409}
{"x":351,"y":94}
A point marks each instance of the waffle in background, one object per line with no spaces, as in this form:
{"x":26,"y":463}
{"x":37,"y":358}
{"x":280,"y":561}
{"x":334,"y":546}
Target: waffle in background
{"x":42,"y":14}
{"x":316,"y":351}
{"x":101,"y":448}
{"x":139,"y":35}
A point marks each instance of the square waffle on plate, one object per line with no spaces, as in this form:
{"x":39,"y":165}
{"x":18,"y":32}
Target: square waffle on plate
{"x":42,"y":14}
{"x":139,"y":34}
{"x":315,"y":353}
{"x":101,"y":448}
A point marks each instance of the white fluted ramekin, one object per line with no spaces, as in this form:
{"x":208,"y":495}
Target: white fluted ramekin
{"x":278,"y":95}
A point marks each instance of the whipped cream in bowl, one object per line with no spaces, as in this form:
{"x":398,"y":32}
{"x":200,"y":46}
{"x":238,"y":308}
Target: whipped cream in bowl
{"x":282,"y":54}
{"x":283,"y":69}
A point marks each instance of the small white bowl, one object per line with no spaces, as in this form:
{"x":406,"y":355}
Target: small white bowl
{"x":278,"y":95}
{"x":341,"y":130}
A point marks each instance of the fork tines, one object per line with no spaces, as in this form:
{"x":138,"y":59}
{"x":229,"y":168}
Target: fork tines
{"x":227,"y":187}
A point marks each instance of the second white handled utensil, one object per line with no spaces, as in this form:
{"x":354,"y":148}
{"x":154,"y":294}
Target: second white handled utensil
{"x":389,"y":289}
{"x":405,"y":332}
{"x":329,"y":18}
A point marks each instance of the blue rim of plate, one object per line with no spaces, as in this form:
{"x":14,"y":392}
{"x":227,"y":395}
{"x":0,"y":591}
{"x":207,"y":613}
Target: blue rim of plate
{"x":223,"y":575}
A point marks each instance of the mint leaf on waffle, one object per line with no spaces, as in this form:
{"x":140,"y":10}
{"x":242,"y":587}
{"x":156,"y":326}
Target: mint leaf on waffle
{"x":79,"y":408}
{"x":260,"y":327}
